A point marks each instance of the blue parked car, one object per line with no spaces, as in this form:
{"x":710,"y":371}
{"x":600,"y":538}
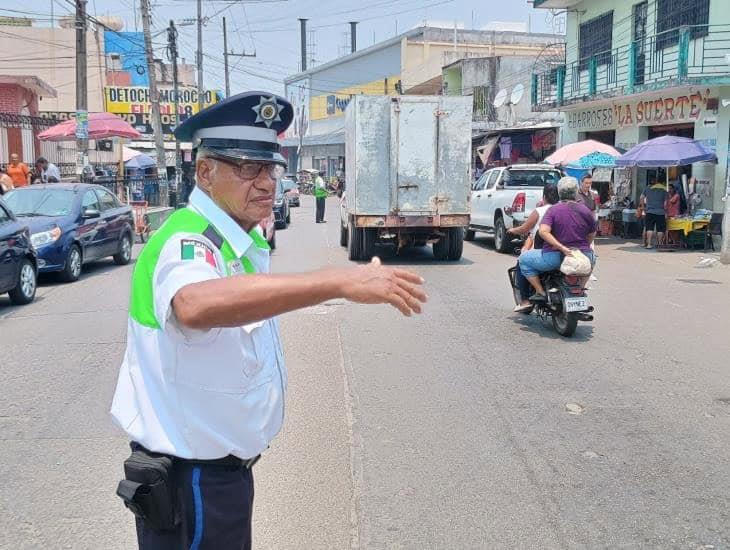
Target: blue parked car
{"x":72,"y":224}
{"x":18,"y":263}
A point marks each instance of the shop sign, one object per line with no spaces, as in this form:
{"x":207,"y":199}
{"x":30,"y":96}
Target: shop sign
{"x":133,"y":105}
{"x":643,"y":112}
{"x":82,"y":124}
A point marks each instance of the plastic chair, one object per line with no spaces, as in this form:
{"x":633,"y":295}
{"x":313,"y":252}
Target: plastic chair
{"x":714,"y":228}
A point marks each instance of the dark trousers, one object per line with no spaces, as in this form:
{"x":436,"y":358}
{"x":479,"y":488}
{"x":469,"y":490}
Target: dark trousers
{"x":320,"y":209}
{"x":216,"y":503}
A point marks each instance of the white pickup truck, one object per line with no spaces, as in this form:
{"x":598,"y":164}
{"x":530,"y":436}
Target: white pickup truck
{"x":504,"y":197}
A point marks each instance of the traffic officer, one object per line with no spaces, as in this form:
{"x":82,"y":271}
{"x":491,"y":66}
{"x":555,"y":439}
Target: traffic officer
{"x":202,"y":386}
{"x":320,"y":195}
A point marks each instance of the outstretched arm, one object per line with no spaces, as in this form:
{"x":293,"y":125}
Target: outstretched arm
{"x":237,"y":301}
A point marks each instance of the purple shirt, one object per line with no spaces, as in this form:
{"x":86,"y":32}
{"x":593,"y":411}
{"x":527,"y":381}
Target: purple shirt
{"x":571,"y":223}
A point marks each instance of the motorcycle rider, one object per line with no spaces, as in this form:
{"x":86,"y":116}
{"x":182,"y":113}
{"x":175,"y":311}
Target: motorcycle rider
{"x":565,"y":227}
{"x":530,"y":228}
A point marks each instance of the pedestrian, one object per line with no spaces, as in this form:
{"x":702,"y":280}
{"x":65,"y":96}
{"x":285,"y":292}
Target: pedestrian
{"x":655,"y":217}
{"x":49,"y":172}
{"x":201,"y":389}
{"x":320,"y":194}
{"x":587,"y":195}
{"x":18,"y":171}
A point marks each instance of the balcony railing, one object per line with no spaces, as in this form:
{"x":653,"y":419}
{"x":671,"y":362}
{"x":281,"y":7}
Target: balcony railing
{"x":688,"y":55}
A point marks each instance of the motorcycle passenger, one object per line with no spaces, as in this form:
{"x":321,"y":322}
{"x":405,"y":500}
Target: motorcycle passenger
{"x":566,"y":226}
{"x":533,"y":240}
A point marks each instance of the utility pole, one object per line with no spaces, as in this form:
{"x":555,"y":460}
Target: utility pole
{"x":725,"y":251}
{"x":155,"y":101}
{"x":199,"y":55}
{"x":225,"y":59}
{"x":82,"y":113}
{"x":172,"y":41}
{"x":227,"y":54}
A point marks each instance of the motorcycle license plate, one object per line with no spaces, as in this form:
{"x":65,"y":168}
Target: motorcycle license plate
{"x":576,"y":304}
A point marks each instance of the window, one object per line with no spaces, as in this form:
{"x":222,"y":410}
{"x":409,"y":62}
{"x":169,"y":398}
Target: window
{"x":479,"y":185}
{"x":595,"y":38}
{"x":493,"y":177}
{"x":107,"y":200}
{"x":114,"y":62}
{"x":531,"y":178}
{"x":90,"y":202}
{"x":672,"y":14}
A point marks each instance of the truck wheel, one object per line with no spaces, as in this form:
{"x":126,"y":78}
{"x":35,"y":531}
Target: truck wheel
{"x":441,"y":247}
{"x":501,"y":240}
{"x":354,"y":244}
{"x":343,"y":235}
{"x":369,"y":236}
{"x":469,"y":235}
{"x":456,"y":243}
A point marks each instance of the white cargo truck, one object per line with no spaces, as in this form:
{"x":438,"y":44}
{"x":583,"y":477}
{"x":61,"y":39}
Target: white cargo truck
{"x":407,"y":174}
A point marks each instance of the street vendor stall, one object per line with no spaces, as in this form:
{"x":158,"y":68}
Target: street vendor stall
{"x":665,"y":152}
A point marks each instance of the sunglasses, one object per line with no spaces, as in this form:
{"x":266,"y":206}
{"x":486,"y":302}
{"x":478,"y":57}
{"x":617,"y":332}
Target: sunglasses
{"x":251,"y":170}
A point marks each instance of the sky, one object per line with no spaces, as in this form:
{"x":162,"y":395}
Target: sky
{"x":271,"y":28}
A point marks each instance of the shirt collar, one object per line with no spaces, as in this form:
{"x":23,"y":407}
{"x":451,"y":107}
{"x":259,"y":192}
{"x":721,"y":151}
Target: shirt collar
{"x":239,"y":240}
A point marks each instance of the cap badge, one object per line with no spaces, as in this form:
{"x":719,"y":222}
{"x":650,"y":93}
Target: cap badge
{"x":267,"y":111}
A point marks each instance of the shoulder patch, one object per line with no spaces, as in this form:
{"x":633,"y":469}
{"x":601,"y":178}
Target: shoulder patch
{"x":197,"y":251}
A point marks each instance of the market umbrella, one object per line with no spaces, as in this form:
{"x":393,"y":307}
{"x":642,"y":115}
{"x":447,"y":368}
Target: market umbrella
{"x":573,"y":152}
{"x":666,"y":151}
{"x":140,"y":161}
{"x":101,"y":126}
{"x":594,"y":160}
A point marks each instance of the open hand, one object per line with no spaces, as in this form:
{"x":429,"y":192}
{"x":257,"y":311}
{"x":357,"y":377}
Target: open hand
{"x":376,"y":284}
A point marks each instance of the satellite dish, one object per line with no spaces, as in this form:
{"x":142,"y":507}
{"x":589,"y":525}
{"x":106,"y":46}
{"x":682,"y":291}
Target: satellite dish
{"x":500,"y":98}
{"x":517,"y":92}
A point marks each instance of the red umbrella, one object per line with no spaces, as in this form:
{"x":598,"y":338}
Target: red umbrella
{"x":101,"y":126}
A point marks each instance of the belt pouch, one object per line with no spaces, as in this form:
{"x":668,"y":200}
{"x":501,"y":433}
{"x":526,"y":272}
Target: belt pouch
{"x":148,"y":489}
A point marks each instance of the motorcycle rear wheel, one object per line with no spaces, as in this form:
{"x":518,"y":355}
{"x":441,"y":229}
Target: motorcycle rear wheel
{"x":565,"y":323}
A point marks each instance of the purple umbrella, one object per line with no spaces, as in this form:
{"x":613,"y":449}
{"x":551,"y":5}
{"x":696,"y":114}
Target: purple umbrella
{"x":666,"y":151}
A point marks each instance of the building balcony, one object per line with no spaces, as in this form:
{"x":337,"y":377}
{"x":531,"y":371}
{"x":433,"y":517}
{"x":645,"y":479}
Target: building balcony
{"x":698,"y":55}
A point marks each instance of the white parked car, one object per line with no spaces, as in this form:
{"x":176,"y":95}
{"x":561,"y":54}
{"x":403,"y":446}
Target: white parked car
{"x":504,"y":197}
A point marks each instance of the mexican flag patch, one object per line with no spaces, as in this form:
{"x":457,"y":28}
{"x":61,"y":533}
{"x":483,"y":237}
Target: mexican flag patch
{"x":197,"y":251}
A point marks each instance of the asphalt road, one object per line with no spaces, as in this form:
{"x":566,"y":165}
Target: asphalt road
{"x":466,"y":427}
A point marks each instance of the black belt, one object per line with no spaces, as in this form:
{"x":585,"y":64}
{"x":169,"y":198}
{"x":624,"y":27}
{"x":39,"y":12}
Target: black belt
{"x":230,"y":460}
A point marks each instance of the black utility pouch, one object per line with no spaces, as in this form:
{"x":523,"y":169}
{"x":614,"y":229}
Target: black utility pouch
{"x":148,"y":489}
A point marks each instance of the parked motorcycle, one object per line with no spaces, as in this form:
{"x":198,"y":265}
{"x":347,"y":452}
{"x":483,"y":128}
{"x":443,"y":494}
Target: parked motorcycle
{"x":567,"y":301}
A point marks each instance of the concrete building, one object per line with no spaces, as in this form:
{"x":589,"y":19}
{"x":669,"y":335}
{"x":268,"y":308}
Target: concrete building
{"x":49,"y":53}
{"x":410,"y":63}
{"x":499,"y":86}
{"x":637,"y":70}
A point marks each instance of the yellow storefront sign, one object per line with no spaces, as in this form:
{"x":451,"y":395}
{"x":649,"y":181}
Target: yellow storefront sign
{"x":136,"y":100}
{"x":334,"y":104}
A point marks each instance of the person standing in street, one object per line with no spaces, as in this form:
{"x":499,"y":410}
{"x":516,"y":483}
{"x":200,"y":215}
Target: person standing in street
{"x":18,"y":171}
{"x":202,"y":386}
{"x":49,"y":172}
{"x":587,"y":195}
{"x":655,"y":216}
{"x":320,"y":194}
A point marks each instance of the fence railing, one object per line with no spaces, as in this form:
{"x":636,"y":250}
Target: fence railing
{"x":690,"y":54}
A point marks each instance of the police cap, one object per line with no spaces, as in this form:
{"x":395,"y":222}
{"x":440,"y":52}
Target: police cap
{"x":242,"y":127}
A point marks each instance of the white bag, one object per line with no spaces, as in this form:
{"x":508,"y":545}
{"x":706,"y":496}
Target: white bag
{"x":578,"y":264}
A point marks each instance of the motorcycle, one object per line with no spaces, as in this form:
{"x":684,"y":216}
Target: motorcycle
{"x":567,"y":301}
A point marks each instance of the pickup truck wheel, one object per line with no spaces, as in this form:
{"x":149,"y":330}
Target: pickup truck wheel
{"x":369,"y":236}
{"x":501,"y":241}
{"x":441,"y":247}
{"x":469,"y":235}
{"x":456,"y":243}
{"x":354,"y":244}
{"x":343,"y":235}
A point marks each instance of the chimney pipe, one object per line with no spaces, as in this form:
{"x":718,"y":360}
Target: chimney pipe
{"x":303,"y":23}
{"x":353,"y":36}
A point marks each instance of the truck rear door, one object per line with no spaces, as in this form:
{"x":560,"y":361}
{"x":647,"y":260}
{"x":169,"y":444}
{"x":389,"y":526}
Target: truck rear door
{"x":415,"y":144}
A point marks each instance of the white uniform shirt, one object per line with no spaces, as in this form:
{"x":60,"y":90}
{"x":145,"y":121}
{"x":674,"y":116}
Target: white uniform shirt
{"x":51,"y":171}
{"x":202,"y":394}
